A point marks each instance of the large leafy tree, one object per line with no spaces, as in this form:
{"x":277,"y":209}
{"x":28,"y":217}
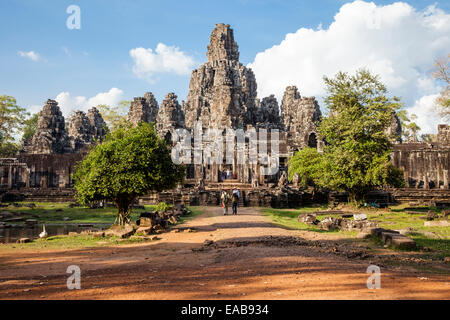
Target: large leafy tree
{"x":131,"y":162}
{"x":356,"y":154}
{"x":356,"y":158}
{"x":12,"y":118}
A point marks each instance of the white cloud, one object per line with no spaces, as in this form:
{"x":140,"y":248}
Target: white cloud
{"x":168,"y":59}
{"x":66,"y":51}
{"x":427,"y":117}
{"x":68,"y":103}
{"x":395,"y":41}
{"x":29,"y":55}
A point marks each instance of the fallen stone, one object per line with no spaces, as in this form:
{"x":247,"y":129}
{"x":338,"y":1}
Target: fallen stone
{"x":402,"y":242}
{"x":144,"y":230}
{"x":363,"y":235}
{"x":66,"y":219}
{"x":360,"y":216}
{"x":24,"y":240}
{"x":85,"y":225}
{"x":431,"y":215}
{"x":330,"y":223}
{"x":308,"y":218}
{"x":31,"y":222}
{"x":120,"y":231}
{"x":15,"y":219}
{"x":439,"y":223}
{"x":6,"y":214}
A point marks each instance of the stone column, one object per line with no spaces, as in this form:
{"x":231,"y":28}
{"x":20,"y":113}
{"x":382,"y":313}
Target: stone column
{"x":9,"y":177}
{"x":445,"y":179}
{"x":426,"y":183}
{"x":406,"y":177}
{"x":27,"y":177}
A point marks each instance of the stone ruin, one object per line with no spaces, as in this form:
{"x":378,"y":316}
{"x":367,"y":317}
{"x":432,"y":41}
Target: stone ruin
{"x":143,"y":109}
{"x":300,"y":118}
{"x":222,"y":91}
{"x":170,"y":116}
{"x":222,"y":94}
{"x":86,"y":130}
{"x":50,"y":136}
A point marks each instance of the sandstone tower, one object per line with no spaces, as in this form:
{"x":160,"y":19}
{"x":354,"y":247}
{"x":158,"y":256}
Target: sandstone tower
{"x":50,"y":136}
{"x":222,"y":91}
{"x":143,"y":109}
{"x":300,"y":117}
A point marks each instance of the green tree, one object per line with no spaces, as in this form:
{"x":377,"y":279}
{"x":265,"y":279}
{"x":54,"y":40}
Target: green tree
{"x":12,"y":118}
{"x":441,"y":72}
{"x":131,"y":162}
{"x":429,"y":137}
{"x":115,"y":117}
{"x":409,"y":127}
{"x":356,"y":157}
{"x":306,"y":163}
{"x":29,"y":127}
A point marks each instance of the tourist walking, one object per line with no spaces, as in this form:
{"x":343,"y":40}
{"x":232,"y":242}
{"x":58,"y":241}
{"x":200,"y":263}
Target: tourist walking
{"x":235,"y":201}
{"x":225,"y":198}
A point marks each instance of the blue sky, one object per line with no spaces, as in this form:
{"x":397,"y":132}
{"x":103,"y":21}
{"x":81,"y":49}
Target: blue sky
{"x":97,"y":58}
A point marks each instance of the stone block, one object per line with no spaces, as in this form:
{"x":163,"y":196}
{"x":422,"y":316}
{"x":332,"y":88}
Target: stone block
{"x":439,"y":223}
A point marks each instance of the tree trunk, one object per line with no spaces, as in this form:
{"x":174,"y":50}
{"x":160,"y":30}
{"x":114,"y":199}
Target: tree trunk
{"x":124,"y":206}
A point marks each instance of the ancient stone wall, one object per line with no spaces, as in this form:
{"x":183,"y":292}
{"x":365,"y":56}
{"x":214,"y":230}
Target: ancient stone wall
{"x":426,"y":166}
{"x":143,"y":109}
{"x":222,"y":91}
{"x":170,"y":116}
{"x":50,"y":136}
{"x":300,"y":116}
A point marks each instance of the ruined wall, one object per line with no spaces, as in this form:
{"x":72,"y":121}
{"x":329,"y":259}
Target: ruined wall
{"x":300,"y":116}
{"x":222,"y":91}
{"x":143,"y":109}
{"x":425,"y":165}
{"x":50,"y":136}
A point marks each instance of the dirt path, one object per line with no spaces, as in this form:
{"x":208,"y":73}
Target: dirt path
{"x":249,"y":259}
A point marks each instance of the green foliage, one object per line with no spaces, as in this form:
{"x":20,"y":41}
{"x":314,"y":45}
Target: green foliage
{"x":356,"y":155}
{"x":12,"y":118}
{"x":163,"y":207}
{"x":115,"y":117}
{"x":130,"y":163}
{"x":30,"y":126}
{"x":306,"y":163}
{"x":409,"y":127}
{"x":441,"y":72}
{"x":8,"y":149}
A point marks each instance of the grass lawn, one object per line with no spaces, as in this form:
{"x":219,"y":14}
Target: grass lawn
{"x":53,"y":213}
{"x":287,"y":218}
{"x":435,"y":238}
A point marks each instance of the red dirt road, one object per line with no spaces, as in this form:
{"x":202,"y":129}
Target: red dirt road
{"x":249,"y":259}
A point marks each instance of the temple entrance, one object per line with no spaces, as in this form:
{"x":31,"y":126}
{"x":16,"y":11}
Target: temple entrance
{"x":227,"y":173}
{"x":312,"y":141}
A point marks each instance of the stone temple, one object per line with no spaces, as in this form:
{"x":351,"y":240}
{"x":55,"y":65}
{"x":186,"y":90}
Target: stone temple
{"x":222,"y":94}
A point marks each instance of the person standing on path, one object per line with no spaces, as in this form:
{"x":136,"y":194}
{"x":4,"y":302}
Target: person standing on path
{"x":235,"y":201}
{"x":224,"y":197}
